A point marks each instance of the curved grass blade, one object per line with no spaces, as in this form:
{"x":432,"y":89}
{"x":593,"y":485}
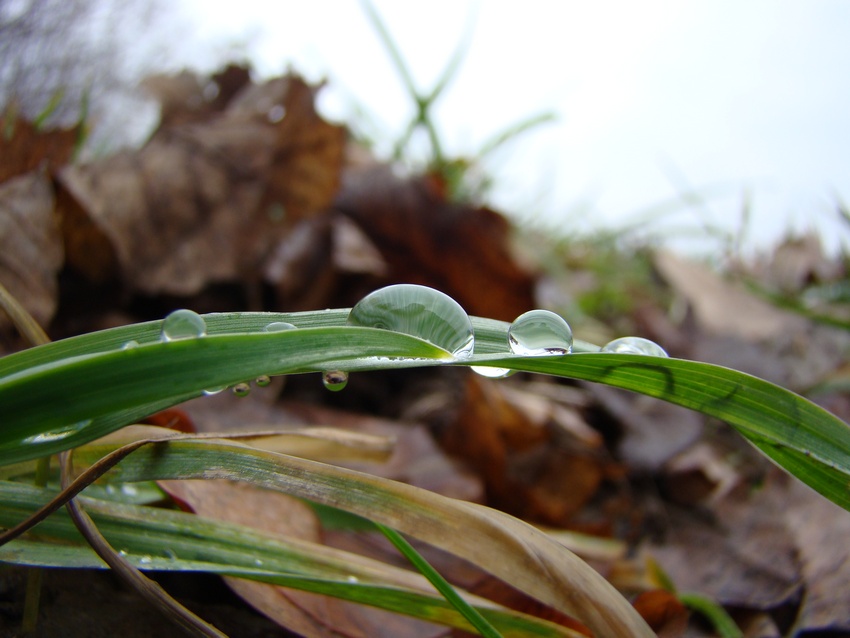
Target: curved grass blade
{"x":797,"y":434}
{"x":500,"y":544}
{"x":63,"y":403}
{"x":155,"y":539}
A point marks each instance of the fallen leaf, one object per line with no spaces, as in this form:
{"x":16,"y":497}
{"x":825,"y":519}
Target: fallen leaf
{"x":532,"y":467}
{"x":652,"y":431}
{"x":741,"y":554}
{"x":426,"y":240}
{"x":821,"y":530}
{"x":31,"y":252}
{"x":721,"y":307}
{"x":25,"y":148}
{"x":663,"y":612}
{"x":196,"y":205}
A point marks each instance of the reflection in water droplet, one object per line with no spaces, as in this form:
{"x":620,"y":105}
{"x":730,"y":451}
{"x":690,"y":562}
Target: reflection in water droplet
{"x":278,"y":326}
{"x":491,"y":372}
{"x":634,"y":345}
{"x":183,"y":324}
{"x":335,"y":380}
{"x":539,"y":333}
{"x":263,"y":380}
{"x":57,"y":434}
{"x":242,"y":389}
{"x":418,"y":311}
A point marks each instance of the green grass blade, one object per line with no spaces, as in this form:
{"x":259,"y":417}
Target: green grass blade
{"x":469,"y":612}
{"x":798,"y":435}
{"x":500,"y":544}
{"x":63,"y":403}
{"x":164,"y":540}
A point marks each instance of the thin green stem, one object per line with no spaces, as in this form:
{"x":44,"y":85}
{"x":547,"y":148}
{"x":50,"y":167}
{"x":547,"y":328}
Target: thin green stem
{"x":470,"y":613}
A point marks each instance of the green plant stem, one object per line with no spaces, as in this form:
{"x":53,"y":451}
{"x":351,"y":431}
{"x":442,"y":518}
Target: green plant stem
{"x":716,"y":615}
{"x":470,"y":613}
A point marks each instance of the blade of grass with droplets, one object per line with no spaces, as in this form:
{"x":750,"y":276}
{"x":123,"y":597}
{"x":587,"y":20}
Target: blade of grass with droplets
{"x":795,"y":433}
{"x":64,"y":402}
{"x":506,"y":547}
{"x":164,"y":540}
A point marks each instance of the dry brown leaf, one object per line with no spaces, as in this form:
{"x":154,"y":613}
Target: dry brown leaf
{"x":652,"y":431}
{"x":531,"y":465}
{"x":24,"y":148}
{"x":31,"y":253}
{"x":462,"y":251}
{"x":196,"y":205}
{"x":663,"y":612}
{"x":821,"y":530}
{"x":743,"y":556}
{"x":721,"y":307}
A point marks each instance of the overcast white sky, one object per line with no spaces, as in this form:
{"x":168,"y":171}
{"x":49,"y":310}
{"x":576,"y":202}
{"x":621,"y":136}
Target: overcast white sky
{"x":725,"y":96}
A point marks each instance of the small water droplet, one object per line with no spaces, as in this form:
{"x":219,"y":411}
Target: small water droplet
{"x":491,"y":372}
{"x":278,"y":326}
{"x":335,"y":380}
{"x":276,"y":113}
{"x":242,"y":389}
{"x":129,"y":490}
{"x":258,"y":562}
{"x":183,"y":324}
{"x":352,"y":579}
{"x":539,"y":333}
{"x":418,"y":311}
{"x":130,"y":345}
{"x":122,"y":552}
{"x":145,"y":560}
{"x":263,"y":380}
{"x":57,"y":434}
{"x":634,"y":345}
{"x":213,"y":391}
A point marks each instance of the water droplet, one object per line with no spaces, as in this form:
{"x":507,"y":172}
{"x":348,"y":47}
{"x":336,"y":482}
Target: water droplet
{"x":57,"y":434}
{"x":242,"y":389}
{"x":491,"y":372}
{"x":418,"y":311}
{"x":539,"y":333}
{"x":352,"y":579}
{"x":634,"y":345}
{"x":130,"y":345}
{"x":129,"y":490}
{"x":278,"y":326}
{"x":276,"y":113}
{"x":263,"y":380}
{"x":213,"y":391}
{"x":145,"y":560}
{"x":335,"y":380}
{"x":122,"y":552}
{"x":183,"y":324}
{"x":258,"y":562}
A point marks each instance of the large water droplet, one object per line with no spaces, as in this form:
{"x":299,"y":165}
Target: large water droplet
{"x":335,"y":380}
{"x":183,"y":324}
{"x":278,"y":326}
{"x":242,"y":389}
{"x":57,"y":434}
{"x":634,"y":345}
{"x":418,"y":311}
{"x":539,"y":333}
